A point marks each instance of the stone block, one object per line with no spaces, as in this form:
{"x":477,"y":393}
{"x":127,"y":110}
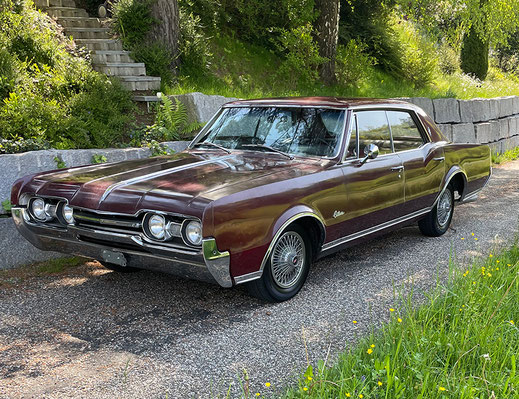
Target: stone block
{"x":463,"y":133}
{"x":477,"y":110}
{"x":424,"y":103}
{"x":16,"y":250}
{"x":495,"y":130}
{"x":177,"y":146}
{"x":506,"y":107}
{"x":76,"y":157}
{"x":496,"y":147}
{"x":515,"y":105}
{"x":504,"y":128}
{"x":446,"y":110}
{"x":446,"y":129}
{"x":201,"y":107}
{"x":483,"y":132}
{"x":495,"y":108}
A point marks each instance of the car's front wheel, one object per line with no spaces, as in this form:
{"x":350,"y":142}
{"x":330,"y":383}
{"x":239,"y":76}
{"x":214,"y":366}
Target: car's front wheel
{"x":287,"y":267}
{"x":437,"y":222}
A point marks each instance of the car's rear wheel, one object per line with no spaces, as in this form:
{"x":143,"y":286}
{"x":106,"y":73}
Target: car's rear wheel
{"x":119,"y":269}
{"x":437,"y":222}
{"x":287,"y":267}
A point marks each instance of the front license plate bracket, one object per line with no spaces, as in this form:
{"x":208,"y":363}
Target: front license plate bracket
{"x":114,"y":257}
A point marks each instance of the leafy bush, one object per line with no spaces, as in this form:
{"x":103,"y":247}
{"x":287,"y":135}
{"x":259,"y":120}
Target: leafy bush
{"x":353,"y":63}
{"x":132,"y":19}
{"x":157,"y":58}
{"x":449,"y":61}
{"x":50,"y":97}
{"x":301,"y":56}
{"x":418,"y":59}
{"x":195,"y":54}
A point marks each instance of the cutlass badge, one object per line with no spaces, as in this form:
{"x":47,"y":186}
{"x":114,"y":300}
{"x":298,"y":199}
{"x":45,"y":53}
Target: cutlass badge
{"x":336,"y":214}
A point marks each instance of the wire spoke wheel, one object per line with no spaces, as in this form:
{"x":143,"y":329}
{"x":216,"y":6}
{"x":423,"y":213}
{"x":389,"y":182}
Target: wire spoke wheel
{"x":288,"y":259}
{"x":444,"y":209}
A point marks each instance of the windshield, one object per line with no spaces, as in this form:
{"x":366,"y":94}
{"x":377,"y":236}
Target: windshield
{"x":297,"y":131}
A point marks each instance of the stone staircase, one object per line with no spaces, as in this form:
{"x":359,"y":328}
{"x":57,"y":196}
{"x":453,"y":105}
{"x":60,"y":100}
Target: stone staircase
{"x":107,"y":53}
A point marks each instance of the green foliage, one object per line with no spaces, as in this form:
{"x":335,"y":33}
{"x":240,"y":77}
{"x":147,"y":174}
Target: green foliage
{"x":301,"y":56}
{"x":449,"y":61}
{"x":171,"y":122}
{"x":50,"y":97}
{"x":195,"y":54}
{"x":158,"y":60}
{"x":132,"y":19}
{"x":417,"y":54}
{"x":60,"y":164}
{"x":7,"y":206}
{"x":461,"y":343}
{"x":353,"y":65}
{"x":510,"y":155}
{"x":59,"y":265}
{"x":98,"y":158}
{"x":474,"y":55}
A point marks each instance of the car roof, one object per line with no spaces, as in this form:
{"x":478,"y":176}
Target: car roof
{"x":332,"y":102}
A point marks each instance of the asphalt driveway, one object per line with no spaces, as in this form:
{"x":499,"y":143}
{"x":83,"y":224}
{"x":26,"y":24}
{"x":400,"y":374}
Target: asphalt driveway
{"x":92,"y":333}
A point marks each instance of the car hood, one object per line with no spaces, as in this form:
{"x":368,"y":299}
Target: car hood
{"x":189,"y":179}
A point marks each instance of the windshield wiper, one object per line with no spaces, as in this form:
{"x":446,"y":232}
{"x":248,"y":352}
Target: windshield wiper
{"x":208,"y":143}
{"x":266,"y":147}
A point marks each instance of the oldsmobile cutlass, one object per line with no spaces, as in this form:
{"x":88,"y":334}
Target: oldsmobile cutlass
{"x":267,"y":187}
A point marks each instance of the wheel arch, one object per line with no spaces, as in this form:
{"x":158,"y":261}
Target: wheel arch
{"x":458,"y":178}
{"x":301,"y":215}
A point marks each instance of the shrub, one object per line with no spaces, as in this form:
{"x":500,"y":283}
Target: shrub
{"x":449,"y":61}
{"x":157,"y":58}
{"x":132,"y":19}
{"x":301,"y":56}
{"x":195,"y":54}
{"x":100,"y":116}
{"x":474,"y":55}
{"x":353,"y":64}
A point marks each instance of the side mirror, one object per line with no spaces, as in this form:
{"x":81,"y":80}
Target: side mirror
{"x":371,"y":152}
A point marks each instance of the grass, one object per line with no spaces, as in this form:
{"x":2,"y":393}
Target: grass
{"x":59,"y":265}
{"x":462,"y":343}
{"x":244,"y":70}
{"x":507,"y":156}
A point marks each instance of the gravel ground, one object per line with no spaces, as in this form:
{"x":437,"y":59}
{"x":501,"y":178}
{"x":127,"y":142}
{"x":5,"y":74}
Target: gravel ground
{"x":92,"y":333}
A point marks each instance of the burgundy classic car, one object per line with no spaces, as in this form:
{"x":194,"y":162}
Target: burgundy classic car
{"x":267,"y":187}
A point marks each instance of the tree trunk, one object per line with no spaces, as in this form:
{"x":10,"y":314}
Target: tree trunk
{"x":167,"y":28}
{"x":327,"y":28}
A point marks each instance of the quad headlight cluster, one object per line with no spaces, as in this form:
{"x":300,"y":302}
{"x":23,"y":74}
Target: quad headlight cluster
{"x":43,"y":210}
{"x":158,"y":227}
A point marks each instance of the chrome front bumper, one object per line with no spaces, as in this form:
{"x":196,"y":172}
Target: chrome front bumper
{"x":208,"y":264}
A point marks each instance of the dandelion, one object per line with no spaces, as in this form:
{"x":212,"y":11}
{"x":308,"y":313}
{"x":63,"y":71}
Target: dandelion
{"x":379,"y":383}
{"x":399,"y":320}
{"x":497,"y":261}
{"x":512,"y":322}
{"x":267,"y":384}
{"x":491,"y":256}
{"x":442,"y":389}
{"x":354,"y":321}
{"x":475,"y":238}
{"x":508,"y":264}
{"x":361,"y":396}
{"x":370,"y":351}
{"x":472,"y":234}
{"x":462,"y":238}
{"x":257,"y":394}
{"x":305,"y":389}
{"x":372,"y":345}
{"x":489,"y":274}
{"x":391,"y":309}
{"x":348,"y":394}
{"x":497,"y":269}
{"x":309,"y":378}
{"x":460,"y":309}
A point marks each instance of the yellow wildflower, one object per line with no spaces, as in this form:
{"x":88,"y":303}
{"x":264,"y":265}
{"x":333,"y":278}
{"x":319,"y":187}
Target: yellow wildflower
{"x":442,"y":389}
{"x":257,"y":394}
{"x":475,"y":238}
{"x":399,"y":320}
{"x":309,"y":378}
{"x":379,"y":383}
{"x":348,"y":394}
{"x":305,"y":389}
{"x":361,"y":396}
{"x":354,"y":321}
{"x":372,"y":345}
{"x":267,"y":384}
{"x":512,"y":322}
{"x":491,"y":255}
{"x":472,"y":234}
{"x":370,"y":351}
{"x":462,"y":238}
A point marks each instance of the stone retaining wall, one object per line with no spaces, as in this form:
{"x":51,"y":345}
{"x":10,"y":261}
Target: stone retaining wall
{"x":491,"y":121}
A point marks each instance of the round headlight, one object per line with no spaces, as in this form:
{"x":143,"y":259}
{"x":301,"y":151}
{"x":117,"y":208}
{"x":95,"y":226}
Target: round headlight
{"x":68,"y":214}
{"x":38,"y":209}
{"x":157,"y":226}
{"x":194,"y":232}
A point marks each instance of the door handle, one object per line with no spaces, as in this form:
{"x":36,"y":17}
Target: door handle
{"x":439,"y":159}
{"x":397,"y":168}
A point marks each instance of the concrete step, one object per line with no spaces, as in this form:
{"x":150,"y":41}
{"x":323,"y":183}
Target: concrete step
{"x":102,"y":56}
{"x":121,"y":68}
{"x":100,"y":44}
{"x":134,"y":83}
{"x":58,"y":12}
{"x":88,"y":33}
{"x":44,"y":4}
{"x":79,"y":22}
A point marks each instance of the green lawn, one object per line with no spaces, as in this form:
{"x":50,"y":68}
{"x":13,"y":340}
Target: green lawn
{"x":243,"y":70}
{"x":462,"y":343}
